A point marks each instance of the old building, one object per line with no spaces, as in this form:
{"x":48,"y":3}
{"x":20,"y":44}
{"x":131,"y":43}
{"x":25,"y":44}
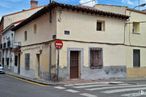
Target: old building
{"x":7,"y":39}
{"x":134,"y":39}
{"x":93,"y":43}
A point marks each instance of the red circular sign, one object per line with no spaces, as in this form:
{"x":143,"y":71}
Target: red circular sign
{"x":58,"y":44}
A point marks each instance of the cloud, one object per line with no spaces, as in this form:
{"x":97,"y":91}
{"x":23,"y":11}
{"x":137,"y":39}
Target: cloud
{"x":88,"y":3}
{"x":142,"y":1}
{"x":129,"y":2}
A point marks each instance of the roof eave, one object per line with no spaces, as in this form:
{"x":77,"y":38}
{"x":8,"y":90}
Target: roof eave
{"x":66,"y":6}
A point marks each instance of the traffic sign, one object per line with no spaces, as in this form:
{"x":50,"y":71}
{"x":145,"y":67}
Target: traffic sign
{"x":58,"y":44}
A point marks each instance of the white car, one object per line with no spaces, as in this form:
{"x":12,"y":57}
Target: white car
{"x":2,"y":69}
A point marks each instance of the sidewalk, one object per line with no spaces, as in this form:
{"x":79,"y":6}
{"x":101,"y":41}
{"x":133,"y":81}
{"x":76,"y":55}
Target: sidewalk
{"x":39,"y":81}
{"x":75,"y":81}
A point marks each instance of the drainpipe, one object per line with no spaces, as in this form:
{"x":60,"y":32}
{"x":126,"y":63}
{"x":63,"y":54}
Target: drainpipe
{"x":50,"y":62}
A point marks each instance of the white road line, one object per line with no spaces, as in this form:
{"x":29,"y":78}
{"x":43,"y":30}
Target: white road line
{"x":123,"y":90}
{"x":79,"y":84}
{"x":88,"y":86}
{"x":72,"y":91}
{"x":88,"y":95}
{"x":114,"y":87}
{"x":133,"y":94}
{"x":59,"y":87}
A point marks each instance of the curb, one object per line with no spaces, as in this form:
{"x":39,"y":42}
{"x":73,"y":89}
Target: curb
{"x":34,"y":80}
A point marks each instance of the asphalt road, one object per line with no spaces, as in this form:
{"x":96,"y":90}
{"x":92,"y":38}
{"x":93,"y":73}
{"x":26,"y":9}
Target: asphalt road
{"x":14,"y":87}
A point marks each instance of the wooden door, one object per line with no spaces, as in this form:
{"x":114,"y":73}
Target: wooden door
{"x":74,"y":64}
{"x":38,"y":63}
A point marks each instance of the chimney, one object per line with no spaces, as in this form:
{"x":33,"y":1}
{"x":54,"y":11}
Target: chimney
{"x":34,"y":3}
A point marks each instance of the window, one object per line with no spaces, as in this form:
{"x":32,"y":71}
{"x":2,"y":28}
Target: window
{"x":27,"y":61}
{"x":12,"y":35}
{"x":136,"y":27}
{"x":35,"y":28}
{"x":136,"y":58}
{"x":67,"y":32}
{"x":96,"y":58}
{"x":25,"y":35}
{"x":7,"y":60}
{"x":3,"y":60}
{"x":100,"y":26}
{"x":16,"y":61}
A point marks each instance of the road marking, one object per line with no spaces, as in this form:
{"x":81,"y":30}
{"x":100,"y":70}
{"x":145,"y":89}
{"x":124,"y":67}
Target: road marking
{"x":88,"y":86}
{"x":30,"y":82}
{"x":133,"y":94}
{"x":72,"y":91}
{"x":123,"y":90}
{"x":88,"y":95}
{"x":114,"y":87}
{"x":87,"y":83}
{"x":59,"y":87}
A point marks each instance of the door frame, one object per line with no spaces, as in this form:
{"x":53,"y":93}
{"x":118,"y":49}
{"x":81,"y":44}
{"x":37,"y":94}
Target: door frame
{"x":81,"y":57}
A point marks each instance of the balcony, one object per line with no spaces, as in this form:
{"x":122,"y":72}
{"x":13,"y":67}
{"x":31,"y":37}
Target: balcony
{"x":4,"y":45}
{"x":1,"y":46}
{"x":9,"y":45}
{"x":16,"y":47}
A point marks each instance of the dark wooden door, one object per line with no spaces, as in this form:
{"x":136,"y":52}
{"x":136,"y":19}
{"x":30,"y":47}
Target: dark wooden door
{"x":74,"y":64}
{"x":38,"y":63}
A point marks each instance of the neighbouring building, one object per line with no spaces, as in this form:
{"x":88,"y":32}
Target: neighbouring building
{"x":8,"y":58}
{"x":134,"y":39}
{"x":93,"y":43}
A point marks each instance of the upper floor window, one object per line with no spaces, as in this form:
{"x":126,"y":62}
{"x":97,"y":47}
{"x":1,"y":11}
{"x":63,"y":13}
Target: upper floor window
{"x":136,"y":27}
{"x":35,"y":28}
{"x":67,"y":32}
{"x":12,"y":35}
{"x":100,"y":26}
{"x":27,"y":61}
{"x":25,"y":35}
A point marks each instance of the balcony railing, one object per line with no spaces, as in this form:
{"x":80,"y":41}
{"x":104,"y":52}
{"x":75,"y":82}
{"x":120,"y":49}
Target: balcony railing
{"x":4,"y":45}
{"x":9,"y":44}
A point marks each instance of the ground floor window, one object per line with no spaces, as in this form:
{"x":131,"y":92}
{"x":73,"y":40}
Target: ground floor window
{"x":3,"y":61}
{"x":136,"y":58}
{"x":16,"y":60}
{"x":7,"y":60}
{"x":27,"y":61}
{"x":96,"y":58}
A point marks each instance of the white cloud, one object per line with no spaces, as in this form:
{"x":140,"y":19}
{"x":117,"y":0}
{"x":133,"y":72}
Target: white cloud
{"x":142,"y":1}
{"x":129,"y":2}
{"x":88,"y":3}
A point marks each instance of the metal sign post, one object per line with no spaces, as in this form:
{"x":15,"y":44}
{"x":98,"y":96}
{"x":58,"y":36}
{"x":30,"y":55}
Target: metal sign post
{"x":58,"y":65}
{"x":58,"y":45}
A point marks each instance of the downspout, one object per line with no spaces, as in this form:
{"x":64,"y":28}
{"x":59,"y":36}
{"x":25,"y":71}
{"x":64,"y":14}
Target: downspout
{"x":50,"y":62}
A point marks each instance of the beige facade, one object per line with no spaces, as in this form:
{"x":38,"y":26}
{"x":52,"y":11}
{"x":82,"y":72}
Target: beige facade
{"x":18,"y":16}
{"x":7,"y":37}
{"x":37,"y":43}
{"x":133,"y":40}
{"x":82,"y":36}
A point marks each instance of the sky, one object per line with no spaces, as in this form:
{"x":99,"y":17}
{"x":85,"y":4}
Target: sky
{"x":10,"y":6}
